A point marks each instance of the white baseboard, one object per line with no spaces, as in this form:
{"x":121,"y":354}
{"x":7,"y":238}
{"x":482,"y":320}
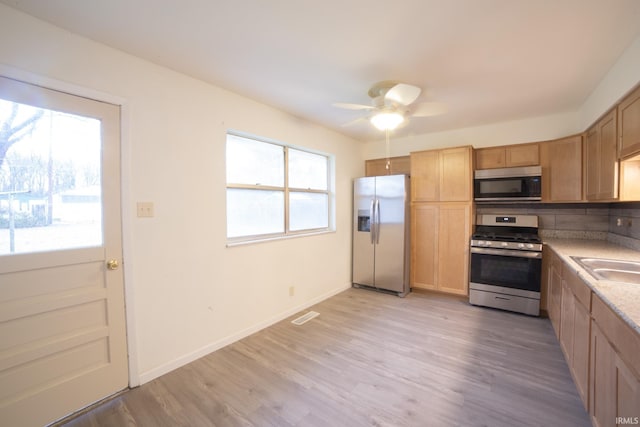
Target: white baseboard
{"x":209,"y":348}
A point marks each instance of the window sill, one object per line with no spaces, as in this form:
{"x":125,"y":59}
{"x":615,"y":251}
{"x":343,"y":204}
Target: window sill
{"x":232,"y":244}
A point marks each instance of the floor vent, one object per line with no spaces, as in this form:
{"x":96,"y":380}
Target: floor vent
{"x":304,"y":319}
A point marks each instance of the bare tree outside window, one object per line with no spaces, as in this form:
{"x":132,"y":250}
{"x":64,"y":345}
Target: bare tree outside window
{"x":13,"y":129}
{"x":50,"y":179}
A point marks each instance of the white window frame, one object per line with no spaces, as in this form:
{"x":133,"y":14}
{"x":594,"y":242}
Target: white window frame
{"x":286,"y":189}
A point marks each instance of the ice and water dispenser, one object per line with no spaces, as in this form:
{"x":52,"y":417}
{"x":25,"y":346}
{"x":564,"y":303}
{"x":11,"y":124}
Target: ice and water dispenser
{"x":364,"y":220}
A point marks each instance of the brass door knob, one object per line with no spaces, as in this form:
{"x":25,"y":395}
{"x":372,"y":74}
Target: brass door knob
{"x":113,"y":264}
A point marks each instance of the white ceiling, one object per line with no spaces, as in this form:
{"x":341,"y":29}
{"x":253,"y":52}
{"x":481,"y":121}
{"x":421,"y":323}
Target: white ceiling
{"x":488,"y":60}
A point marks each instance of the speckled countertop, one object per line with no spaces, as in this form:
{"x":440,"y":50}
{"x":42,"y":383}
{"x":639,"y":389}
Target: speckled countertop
{"x":623,"y":298}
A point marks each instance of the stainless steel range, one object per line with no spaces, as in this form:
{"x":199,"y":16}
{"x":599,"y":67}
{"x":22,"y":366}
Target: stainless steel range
{"x":506,"y":263}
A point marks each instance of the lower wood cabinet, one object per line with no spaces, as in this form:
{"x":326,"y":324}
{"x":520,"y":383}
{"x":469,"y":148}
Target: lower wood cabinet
{"x":615,"y":388}
{"x":440,"y":234}
{"x":554,"y":290}
{"x":602,"y":351}
{"x":575,"y":328}
{"x":614,"y":385}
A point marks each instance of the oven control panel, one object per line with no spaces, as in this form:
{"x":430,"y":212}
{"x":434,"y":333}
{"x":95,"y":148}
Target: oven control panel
{"x":537,"y":247}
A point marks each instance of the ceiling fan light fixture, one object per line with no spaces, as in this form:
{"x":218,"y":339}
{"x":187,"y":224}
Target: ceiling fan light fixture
{"x":387,"y":120}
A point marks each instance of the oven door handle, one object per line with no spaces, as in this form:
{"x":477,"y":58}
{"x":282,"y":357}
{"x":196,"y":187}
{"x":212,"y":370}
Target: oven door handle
{"x":506,"y":252}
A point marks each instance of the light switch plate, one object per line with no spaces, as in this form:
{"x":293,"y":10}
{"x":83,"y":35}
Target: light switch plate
{"x":145,"y":209}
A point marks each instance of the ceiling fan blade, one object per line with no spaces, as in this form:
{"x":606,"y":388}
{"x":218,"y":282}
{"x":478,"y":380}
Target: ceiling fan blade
{"x":427,"y":109}
{"x":355,"y":122}
{"x":403,"y":94}
{"x":348,"y":106}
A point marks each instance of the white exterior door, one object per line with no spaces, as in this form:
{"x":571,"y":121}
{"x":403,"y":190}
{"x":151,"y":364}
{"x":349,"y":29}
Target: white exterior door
{"x":62,"y":321}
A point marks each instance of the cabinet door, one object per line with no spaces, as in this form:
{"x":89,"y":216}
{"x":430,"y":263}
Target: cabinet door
{"x":397,"y":166}
{"x":614,"y":388}
{"x":629,"y":125}
{"x":555,"y":293}
{"x":401,"y":165}
{"x":489,"y":158}
{"x":376,"y":167}
{"x":567,"y":314}
{"x":602,"y":159}
{"x":425,"y":176}
{"x":523,"y":155}
{"x":564,"y":170}
{"x":454,"y":227}
{"x":581,"y":341}
{"x":592,"y":163}
{"x":608,"y":157}
{"x":424,"y":245}
{"x":455,"y":175}
{"x":602,"y":387}
{"x":627,"y":391}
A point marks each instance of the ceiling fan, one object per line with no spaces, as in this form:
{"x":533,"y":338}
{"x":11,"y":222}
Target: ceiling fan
{"x":391,"y":105}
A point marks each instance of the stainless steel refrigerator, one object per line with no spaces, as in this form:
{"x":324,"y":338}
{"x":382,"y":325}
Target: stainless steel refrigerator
{"x":381,"y":233}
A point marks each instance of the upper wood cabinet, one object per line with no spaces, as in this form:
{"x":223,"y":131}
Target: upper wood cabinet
{"x":508,"y":156}
{"x":561,"y":162}
{"x":601,"y":159}
{"x":397,"y":166}
{"x":442,"y":175}
{"x":629,"y":125}
{"x":425,"y":176}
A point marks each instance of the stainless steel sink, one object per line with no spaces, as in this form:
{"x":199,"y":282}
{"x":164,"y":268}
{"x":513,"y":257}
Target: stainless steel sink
{"x":611,"y":269}
{"x":618,"y":275}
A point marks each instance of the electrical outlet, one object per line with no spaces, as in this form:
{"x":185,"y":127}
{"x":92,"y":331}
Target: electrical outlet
{"x":618,"y":222}
{"x":292,"y":291}
{"x":145,"y":209}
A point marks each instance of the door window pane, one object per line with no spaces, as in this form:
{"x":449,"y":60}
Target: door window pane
{"x":308,"y":211}
{"x":50,"y":180}
{"x":254,"y":212}
{"x":254,"y":162}
{"x":307,"y":170}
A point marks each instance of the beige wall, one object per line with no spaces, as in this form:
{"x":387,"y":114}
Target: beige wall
{"x":514,"y":132}
{"x":620,"y":79}
{"x":187,"y":292}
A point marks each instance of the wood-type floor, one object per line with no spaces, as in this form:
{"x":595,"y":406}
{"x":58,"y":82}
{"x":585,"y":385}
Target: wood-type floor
{"x":369,"y":359}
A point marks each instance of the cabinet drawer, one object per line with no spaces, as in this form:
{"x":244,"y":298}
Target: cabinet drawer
{"x":577,"y":286}
{"x":625,"y":340}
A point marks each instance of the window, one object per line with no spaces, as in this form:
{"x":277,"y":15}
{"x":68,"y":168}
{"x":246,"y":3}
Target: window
{"x":50,"y":179}
{"x":275,"y":190}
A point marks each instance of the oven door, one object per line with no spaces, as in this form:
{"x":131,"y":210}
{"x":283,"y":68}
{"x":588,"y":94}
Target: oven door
{"x":506,"y":268}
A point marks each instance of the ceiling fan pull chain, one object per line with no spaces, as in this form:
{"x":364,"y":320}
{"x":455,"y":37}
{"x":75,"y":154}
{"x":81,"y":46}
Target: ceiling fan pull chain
{"x":388,"y":152}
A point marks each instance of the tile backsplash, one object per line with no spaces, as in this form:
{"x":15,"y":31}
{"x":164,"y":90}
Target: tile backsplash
{"x":624,"y":224}
{"x":580,"y":221}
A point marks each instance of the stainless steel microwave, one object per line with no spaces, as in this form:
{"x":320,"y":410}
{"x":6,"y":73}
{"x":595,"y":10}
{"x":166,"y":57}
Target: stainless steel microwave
{"x":508,"y":184}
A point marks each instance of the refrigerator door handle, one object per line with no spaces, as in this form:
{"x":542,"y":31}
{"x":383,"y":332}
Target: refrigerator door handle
{"x":372,"y":222}
{"x":377,"y":221}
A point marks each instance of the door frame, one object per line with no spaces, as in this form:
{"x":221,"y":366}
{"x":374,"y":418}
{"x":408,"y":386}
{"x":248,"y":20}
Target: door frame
{"x":125,"y":195}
